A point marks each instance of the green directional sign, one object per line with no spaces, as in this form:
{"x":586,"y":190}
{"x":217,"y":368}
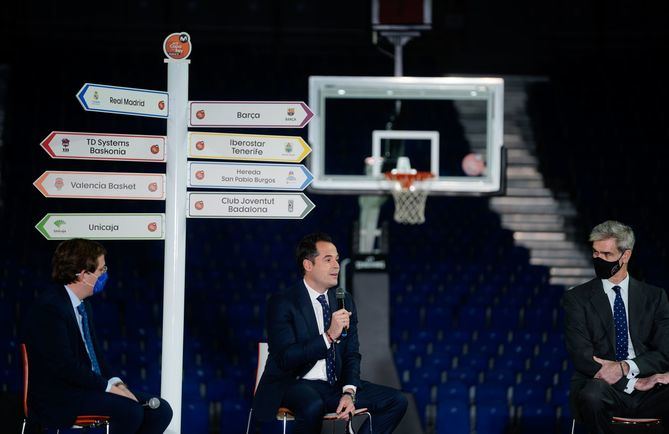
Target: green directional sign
{"x":113,"y":226}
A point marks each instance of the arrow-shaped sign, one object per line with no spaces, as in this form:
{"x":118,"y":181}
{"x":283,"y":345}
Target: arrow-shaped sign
{"x":286,"y":149}
{"x":259,"y":176}
{"x":249,"y":114}
{"x":85,"y":146}
{"x":102,"y":226}
{"x":123,"y":100}
{"x":102,"y":185}
{"x":249,"y":205}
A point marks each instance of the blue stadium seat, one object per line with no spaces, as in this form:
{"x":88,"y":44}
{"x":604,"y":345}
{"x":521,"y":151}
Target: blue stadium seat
{"x":525,"y":393}
{"x":452,"y":417}
{"x":492,"y":393}
{"x":453,"y":390}
{"x":492,"y":418}
{"x":537,"y":417}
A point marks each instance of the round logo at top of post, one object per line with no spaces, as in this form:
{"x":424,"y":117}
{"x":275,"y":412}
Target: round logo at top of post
{"x":177,"y":46}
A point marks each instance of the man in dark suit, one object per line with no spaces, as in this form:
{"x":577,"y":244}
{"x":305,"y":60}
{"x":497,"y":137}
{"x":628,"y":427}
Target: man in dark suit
{"x":67,"y":375}
{"x":314,"y":366}
{"x":617,"y":336}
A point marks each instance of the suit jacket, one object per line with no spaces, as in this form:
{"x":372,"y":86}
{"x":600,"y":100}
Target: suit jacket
{"x":295,"y":346}
{"x":589,"y":330}
{"x":59,"y":366}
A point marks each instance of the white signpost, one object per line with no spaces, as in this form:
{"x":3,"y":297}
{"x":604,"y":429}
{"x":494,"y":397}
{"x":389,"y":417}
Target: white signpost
{"x":256,"y":147}
{"x":249,"y":114}
{"x":249,"y":205}
{"x":123,"y":100}
{"x":118,"y":147}
{"x":115,"y":226}
{"x":294,"y":177}
{"x":101,"y":185}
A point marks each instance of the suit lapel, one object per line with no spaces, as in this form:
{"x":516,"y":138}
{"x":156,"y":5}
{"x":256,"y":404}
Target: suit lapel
{"x":601,"y":304}
{"x":307,"y":310}
{"x":635,"y":308}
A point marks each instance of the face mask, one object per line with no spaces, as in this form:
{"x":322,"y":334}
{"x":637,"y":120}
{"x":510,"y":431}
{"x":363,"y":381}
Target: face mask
{"x":99,"y":284}
{"x":605,"y":269}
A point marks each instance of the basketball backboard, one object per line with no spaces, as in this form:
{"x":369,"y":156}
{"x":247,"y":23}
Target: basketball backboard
{"x":435,"y":121}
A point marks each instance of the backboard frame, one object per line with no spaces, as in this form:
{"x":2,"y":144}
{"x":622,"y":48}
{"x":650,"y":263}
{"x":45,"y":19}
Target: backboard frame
{"x":487,"y":89}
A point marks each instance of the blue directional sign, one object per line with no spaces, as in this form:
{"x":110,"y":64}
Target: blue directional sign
{"x":123,"y":100}
{"x":258,"y":176}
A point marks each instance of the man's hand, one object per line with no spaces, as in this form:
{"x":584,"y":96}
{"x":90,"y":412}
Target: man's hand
{"x":345,"y":407}
{"x":122,"y":390}
{"x":610,"y":370}
{"x":340,"y":319}
{"x":647,"y":383}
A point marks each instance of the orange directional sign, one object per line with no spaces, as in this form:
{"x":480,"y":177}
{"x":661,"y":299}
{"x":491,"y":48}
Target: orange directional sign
{"x":102,"y":185}
{"x":119,"y":147}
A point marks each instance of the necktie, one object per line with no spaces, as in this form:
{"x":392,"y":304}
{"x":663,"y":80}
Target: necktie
{"x":87,"y":338}
{"x":620,"y":320}
{"x":330,"y":360}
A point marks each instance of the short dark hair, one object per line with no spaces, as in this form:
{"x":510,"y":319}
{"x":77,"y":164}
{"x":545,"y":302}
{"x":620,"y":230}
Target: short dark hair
{"x":72,"y":256}
{"x":306,"y":248}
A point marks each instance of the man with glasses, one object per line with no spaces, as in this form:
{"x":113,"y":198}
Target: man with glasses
{"x":67,"y":374}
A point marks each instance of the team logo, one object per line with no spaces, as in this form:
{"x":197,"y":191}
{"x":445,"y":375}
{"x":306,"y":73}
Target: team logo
{"x":200,"y":114}
{"x":152,"y":227}
{"x":58,"y":183}
{"x":65,"y":143}
{"x":59,"y":227}
{"x":199,"y":145}
{"x":199,"y":205}
{"x":291,"y":176}
{"x":155,"y":149}
{"x":291,"y":205}
{"x":177,"y":46}
{"x":153,"y":187}
{"x":95,"y":95}
{"x":289,"y":147}
{"x":199,"y":175}
{"x":161,"y":105}
{"x":291,"y":111}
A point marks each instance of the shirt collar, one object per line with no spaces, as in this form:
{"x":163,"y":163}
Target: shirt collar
{"x":313,"y":294}
{"x":608,"y":285}
{"x":73,"y":298}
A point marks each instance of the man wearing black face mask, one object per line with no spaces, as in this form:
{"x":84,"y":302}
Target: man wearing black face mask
{"x":67,"y":374}
{"x":617,"y":336}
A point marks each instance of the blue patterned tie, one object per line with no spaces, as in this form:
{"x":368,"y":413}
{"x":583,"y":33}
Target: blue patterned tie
{"x":87,"y":338}
{"x":330,"y":361}
{"x":620,"y":320}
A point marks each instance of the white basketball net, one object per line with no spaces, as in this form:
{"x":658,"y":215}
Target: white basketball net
{"x":410,"y":203}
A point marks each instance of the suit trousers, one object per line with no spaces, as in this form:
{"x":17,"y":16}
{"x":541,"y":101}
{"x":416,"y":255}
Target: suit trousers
{"x":598,"y":402}
{"x":311,"y":399}
{"x":128,"y":416}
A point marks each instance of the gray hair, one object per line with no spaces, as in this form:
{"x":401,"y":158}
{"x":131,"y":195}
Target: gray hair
{"x":623,"y":234}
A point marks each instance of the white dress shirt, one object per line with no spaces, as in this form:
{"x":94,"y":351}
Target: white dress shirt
{"x":319,"y":371}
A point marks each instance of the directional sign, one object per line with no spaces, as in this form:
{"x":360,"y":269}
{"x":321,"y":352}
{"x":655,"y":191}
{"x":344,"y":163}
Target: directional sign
{"x":86,"y":146}
{"x":287,"y":149}
{"x":249,"y":205}
{"x":249,"y":114}
{"x":293,"y":177}
{"x":123,"y":100}
{"x":102,"y":185}
{"x":103,"y":226}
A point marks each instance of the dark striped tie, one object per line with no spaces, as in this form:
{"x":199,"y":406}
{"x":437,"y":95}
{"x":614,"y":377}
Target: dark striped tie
{"x":330,"y":360}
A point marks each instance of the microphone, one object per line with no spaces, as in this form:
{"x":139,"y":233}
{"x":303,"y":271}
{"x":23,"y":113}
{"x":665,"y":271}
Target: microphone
{"x":341,"y":295}
{"x":152,"y":403}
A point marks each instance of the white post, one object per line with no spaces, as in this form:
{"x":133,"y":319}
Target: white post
{"x":175,"y":239}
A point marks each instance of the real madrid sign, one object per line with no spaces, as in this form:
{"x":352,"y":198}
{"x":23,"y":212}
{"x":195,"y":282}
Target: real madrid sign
{"x":123,"y":100}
